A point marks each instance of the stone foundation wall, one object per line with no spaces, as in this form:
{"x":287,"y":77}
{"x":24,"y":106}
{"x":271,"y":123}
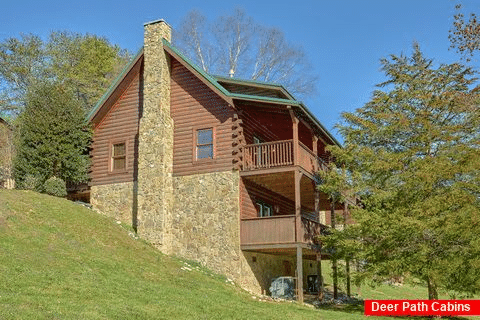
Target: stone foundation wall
{"x":115,"y":200}
{"x":205,"y":224}
{"x":205,"y":227}
{"x":259,"y":269}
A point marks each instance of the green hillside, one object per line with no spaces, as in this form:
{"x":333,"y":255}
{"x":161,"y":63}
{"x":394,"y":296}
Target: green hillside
{"x":60,"y":260}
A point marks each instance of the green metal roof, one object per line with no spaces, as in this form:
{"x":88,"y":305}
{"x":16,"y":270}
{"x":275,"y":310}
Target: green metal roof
{"x":260,"y":84}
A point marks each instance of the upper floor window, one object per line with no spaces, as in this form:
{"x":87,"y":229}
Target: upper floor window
{"x":204,"y":143}
{"x":119,"y":156}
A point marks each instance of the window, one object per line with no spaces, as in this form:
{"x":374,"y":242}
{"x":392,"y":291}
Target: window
{"x":257,"y":140}
{"x":264,"y":210}
{"x":119,"y":156}
{"x":204,"y":141}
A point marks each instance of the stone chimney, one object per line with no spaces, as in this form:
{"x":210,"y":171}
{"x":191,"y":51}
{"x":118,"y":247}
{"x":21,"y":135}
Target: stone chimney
{"x":155,"y":146}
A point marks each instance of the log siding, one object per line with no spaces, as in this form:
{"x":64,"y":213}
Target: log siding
{"x":120,"y":124}
{"x":195,"y":106}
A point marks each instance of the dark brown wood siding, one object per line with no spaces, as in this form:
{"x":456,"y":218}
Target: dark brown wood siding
{"x":266,"y":123}
{"x":251,"y":192}
{"x":195,"y":106}
{"x":120,"y":124}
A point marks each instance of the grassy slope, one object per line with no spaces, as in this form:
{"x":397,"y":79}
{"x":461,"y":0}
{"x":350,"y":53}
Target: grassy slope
{"x":61,"y":260}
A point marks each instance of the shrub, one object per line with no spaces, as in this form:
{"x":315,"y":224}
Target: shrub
{"x":55,"y":186}
{"x":30,"y":182}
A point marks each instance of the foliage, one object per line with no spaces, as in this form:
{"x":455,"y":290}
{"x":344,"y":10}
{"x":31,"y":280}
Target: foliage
{"x":413,"y":153}
{"x":465,"y":35}
{"x":84,"y":63}
{"x":30,"y":182}
{"x":51,"y":136}
{"x":236,"y":45}
{"x":55,"y":187}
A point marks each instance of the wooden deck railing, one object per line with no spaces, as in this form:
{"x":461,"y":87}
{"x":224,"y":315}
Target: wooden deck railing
{"x":268,"y":230}
{"x":278,"y":230}
{"x":311,"y":229}
{"x":278,"y":154}
{"x":267,"y":155}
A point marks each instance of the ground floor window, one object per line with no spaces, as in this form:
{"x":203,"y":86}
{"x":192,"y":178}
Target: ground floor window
{"x":119,"y":157}
{"x":264,"y":209}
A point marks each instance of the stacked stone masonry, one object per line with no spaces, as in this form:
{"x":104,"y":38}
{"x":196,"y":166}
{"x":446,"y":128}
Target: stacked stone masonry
{"x":115,"y":200}
{"x":155,"y":155}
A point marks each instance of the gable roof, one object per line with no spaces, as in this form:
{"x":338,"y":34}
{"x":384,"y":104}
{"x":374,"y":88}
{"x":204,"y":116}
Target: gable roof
{"x":6,"y":123}
{"x":115,"y":84}
{"x":230,"y":89}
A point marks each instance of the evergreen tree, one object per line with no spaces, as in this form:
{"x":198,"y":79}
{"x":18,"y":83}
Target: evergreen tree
{"x":411,"y":155}
{"x":52,"y":138}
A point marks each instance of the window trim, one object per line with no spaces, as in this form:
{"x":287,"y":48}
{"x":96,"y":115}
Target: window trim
{"x":195,"y":145}
{"x":111,"y":170}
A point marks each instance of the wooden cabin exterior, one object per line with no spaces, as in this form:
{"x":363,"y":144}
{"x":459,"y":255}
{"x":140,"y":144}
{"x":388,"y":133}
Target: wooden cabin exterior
{"x":255,"y":134}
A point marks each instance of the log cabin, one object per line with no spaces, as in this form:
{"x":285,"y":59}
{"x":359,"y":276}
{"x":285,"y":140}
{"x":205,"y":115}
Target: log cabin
{"x":213,"y":169}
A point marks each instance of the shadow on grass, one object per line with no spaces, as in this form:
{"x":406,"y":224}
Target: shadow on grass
{"x":350,"y":308}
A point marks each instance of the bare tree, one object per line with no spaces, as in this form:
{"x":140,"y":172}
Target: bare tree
{"x":236,"y":45}
{"x":465,"y":35}
{"x":192,"y":37}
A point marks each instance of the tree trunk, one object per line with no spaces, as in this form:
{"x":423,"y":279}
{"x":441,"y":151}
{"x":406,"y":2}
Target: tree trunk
{"x":432,"y":289}
{"x":335,"y":278}
{"x":347,"y":271}
{"x":319,"y":276}
{"x":334,"y":259}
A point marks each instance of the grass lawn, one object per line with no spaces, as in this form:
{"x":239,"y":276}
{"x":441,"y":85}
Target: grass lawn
{"x":59,"y":260}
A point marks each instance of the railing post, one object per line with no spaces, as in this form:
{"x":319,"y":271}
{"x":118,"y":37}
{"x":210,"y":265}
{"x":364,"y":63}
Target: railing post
{"x":295,"y":136}
{"x":298,"y":205}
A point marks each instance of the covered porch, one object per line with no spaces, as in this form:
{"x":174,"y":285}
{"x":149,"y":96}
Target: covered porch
{"x":299,"y":213}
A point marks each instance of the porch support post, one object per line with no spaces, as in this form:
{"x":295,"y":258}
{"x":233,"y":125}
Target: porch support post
{"x":298,"y":206}
{"x":299,"y":274}
{"x":315,"y":151}
{"x":315,"y":145}
{"x":295,"y":136}
{"x":319,"y":275}
{"x":317,"y":202}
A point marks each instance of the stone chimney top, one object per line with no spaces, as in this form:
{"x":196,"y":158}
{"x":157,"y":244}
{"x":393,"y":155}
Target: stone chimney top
{"x":156,"y":28}
{"x":157,"y":21}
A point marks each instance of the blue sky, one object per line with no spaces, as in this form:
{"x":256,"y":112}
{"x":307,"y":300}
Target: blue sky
{"x":344,"y":39}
